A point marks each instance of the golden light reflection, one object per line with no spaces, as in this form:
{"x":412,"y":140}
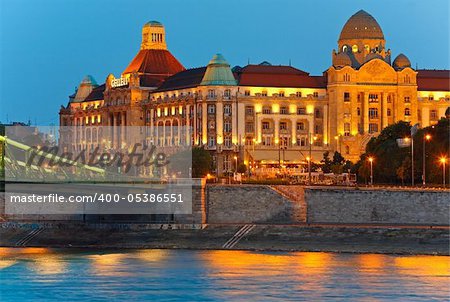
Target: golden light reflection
{"x":423,"y":265}
{"x":243,"y":261}
{"x":372,"y":260}
{"x":6,"y":263}
{"x":151,"y":255}
{"x":108,"y":264}
{"x":48,"y":265}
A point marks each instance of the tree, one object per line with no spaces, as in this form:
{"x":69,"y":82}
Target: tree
{"x":242,"y":168}
{"x":326,"y":166}
{"x":201,"y":162}
{"x":393,"y":164}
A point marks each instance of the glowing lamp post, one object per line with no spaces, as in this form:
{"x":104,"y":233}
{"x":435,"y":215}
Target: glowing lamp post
{"x":236,"y":161}
{"x":425,"y":139}
{"x":443,"y":161}
{"x":371,"y":170}
{"x":310,"y":156}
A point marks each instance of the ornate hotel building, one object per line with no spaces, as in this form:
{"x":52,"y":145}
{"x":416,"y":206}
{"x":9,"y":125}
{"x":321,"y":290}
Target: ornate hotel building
{"x":261,"y":115}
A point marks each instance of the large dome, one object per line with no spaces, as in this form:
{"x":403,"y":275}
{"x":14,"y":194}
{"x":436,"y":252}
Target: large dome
{"x":361,"y":26}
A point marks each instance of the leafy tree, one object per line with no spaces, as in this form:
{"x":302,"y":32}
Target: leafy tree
{"x":242,"y":168}
{"x":201,"y":162}
{"x":338,"y":159}
{"x":326,"y":167}
{"x":392,"y":164}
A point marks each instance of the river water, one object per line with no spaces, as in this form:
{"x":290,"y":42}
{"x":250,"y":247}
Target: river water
{"x":186,"y":275}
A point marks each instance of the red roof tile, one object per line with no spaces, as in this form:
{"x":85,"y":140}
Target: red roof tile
{"x":278,"y":76}
{"x":154,"y":62}
{"x":433,"y":80}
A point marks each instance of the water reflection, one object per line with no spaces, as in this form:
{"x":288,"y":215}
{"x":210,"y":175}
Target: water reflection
{"x":222,"y":275}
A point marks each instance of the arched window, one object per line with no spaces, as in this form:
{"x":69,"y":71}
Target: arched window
{"x":407,"y":112}
{"x":344,"y":48}
{"x":347,"y":150}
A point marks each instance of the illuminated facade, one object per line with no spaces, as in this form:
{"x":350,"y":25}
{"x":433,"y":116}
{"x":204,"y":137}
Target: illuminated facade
{"x":262,"y":115}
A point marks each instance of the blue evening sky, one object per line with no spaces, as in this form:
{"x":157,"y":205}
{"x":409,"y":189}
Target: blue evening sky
{"x":48,"y":46}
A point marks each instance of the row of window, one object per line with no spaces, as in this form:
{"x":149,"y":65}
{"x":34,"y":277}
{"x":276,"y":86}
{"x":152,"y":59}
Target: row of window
{"x":280,"y":93}
{"x":282,"y":126}
{"x":94,"y":119}
{"x":249,"y":110}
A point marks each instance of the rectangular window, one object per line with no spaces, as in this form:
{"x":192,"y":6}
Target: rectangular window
{"x":300,"y":126}
{"x":249,"y":110}
{"x":388,"y":112}
{"x":249,"y":127}
{"x":281,"y":93}
{"x":211,"y":141}
{"x":315,"y":94}
{"x":373,"y":98}
{"x":301,"y":111}
{"x":227,"y":93}
{"x":346,"y":129}
{"x":227,"y":126}
{"x":265,"y":125}
{"x":211,"y":109}
{"x":298,"y":94}
{"x":373,"y":128}
{"x":317,"y":113}
{"x":211,"y":94}
{"x":283,"y":125}
{"x":407,"y":99}
{"x":227,"y":109}
{"x":373,"y":113}
{"x":433,"y":115}
{"x":407,"y":112}
{"x":284,"y":110}
{"x":227,"y":141}
{"x":247,"y":93}
{"x":267,"y":110}
{"x":346,"y":96}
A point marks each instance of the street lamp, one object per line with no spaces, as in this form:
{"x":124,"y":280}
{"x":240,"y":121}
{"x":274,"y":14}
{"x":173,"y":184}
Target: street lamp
{"x":371,"y":170}
{"x":310,"y":156}
{"x":236,"y":160}
{"x":338,"y":142}
{"x":443,"y":160}
{"x":426,"y":138}
{"x":309,"y":169}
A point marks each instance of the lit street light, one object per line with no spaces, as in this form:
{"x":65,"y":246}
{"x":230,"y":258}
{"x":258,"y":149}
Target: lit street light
{"x":425,"y":139}
{"x":236,"y":160}
{"x":310,"y":156}
{"x":443,"y":160}
{"x":371,"y":170}
{"x":338,"y":141}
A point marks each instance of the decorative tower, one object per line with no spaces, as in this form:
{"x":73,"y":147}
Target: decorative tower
{"x":153,"y":36}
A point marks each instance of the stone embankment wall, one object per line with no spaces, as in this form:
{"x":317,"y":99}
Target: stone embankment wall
{"x":386,"y":206}
{"x":296,"y":204}
{"x":251,"y":204}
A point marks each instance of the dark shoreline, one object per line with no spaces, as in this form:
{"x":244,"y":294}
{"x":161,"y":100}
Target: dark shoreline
{"x":405,"y":240}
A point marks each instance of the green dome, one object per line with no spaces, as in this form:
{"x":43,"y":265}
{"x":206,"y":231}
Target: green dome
{"x":154,"y":23}
{"x":89,"y":80}
{"x":218,"y":73}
